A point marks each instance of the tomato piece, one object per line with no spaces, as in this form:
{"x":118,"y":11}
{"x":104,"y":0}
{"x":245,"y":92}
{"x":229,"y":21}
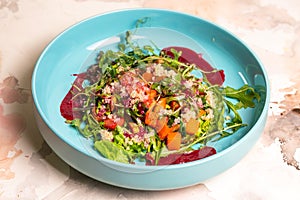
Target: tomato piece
{"x":109,"y":124}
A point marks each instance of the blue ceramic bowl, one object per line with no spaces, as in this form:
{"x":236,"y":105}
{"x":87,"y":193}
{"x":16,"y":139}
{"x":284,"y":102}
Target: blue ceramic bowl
{"x":74,"y":49}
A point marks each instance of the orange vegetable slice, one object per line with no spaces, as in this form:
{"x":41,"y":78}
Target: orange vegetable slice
{"x":163,"y":133}
{"x":192,"y":126}
{"x":151,"y":116}
{"x":174,"y":140}
{"x":175,"y":127}
{"x":201,"y":112}
{"x":160,"y":123}
{"x":151,"y":98}
{"x":162,"y":102}
{"x":152,"y":94}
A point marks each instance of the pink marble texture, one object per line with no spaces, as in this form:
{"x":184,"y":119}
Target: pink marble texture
{"x":30,"y":170}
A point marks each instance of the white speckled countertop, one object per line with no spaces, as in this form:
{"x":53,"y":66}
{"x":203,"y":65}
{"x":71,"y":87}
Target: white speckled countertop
{"x":30,"y":170}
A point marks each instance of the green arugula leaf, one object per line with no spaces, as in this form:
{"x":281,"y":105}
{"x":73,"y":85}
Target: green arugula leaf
{"x":141,"y":21}
{"x":244,"y":95}
{"x":128,"y":37}
{"x":176,"y":54}
{"x":237,"y":118}
{"x":149,"y":49}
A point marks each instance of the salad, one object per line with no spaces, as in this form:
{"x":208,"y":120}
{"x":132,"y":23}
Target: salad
{"x":158,"y":108}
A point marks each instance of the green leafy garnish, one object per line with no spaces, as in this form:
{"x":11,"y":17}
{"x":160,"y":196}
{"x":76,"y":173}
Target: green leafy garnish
{"x":112,"y":151}
{"x":245,"y":96}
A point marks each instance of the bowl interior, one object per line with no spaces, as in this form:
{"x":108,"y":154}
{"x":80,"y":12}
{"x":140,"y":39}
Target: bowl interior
{"x":76,"y":48}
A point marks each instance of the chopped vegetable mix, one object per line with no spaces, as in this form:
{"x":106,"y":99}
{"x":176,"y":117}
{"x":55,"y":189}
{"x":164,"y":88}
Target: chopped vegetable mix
{"x":138,"y":105}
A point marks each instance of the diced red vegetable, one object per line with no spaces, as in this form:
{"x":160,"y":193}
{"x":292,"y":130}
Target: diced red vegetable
{"x":109,"y":124}
{"x":174,"y":105}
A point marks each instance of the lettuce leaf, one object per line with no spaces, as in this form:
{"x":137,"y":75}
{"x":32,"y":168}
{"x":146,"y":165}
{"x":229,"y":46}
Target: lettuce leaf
{"x":112,"y":151}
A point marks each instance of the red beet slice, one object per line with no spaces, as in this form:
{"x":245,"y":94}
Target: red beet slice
{"x":179,"y":158}
{"x":191,"y":57}
{"x":67,"y":104}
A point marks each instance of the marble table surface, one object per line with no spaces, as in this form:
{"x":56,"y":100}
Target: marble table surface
{"x":30,"y":170}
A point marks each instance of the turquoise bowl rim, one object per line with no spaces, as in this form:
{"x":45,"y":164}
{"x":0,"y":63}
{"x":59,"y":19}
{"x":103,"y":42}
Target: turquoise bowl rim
{"x":260,"y":120}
